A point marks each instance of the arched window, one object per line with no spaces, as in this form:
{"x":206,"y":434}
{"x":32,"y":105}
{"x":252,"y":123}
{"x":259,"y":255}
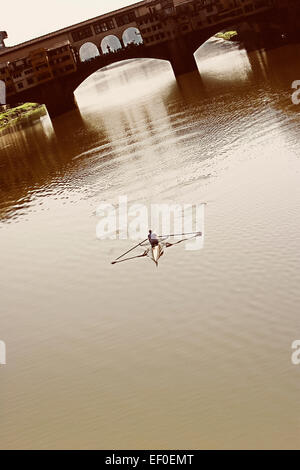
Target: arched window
{"x":110,"y":44}
{"x":88,"y":51}
{"x":132,"y":36}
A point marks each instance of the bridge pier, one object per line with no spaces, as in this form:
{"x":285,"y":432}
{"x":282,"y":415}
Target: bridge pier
{"x":181,"y":57}
{"x":58,"y":98}
{"x":57,"y":107}
{"x":183,"y":64}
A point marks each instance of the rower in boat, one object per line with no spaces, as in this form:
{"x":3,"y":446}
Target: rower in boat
{"x":157,"y":245}
{"x":153,"y":239}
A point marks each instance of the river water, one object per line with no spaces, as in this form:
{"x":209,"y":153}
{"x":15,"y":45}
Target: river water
{"x":195,"y":354}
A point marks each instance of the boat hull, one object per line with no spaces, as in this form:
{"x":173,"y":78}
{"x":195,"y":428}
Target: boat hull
{"x":157,"y":252}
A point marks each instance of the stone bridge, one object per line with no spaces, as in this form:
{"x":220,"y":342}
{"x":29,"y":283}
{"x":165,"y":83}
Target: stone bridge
{"x":180,"y":32}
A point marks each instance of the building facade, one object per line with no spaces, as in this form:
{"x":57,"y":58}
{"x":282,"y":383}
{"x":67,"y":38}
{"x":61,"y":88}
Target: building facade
{"x":6,"y":77}
{"x":38,"y":67}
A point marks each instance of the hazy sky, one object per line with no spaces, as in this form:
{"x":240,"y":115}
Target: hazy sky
{"x":31,"y":18}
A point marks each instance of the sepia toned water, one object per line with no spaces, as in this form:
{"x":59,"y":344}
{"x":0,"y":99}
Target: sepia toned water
{"x":195,"y":354}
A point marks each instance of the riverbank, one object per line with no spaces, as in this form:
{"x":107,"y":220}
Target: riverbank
{"x":252,"y":41}
{"x":20,"y":114}
{"x":228,"y":36}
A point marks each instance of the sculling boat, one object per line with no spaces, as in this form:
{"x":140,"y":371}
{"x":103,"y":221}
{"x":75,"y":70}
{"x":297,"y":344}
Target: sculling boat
{"x":156,"y":252}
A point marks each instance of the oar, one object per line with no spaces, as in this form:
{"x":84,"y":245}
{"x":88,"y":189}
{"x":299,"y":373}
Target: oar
{"x":181,"y":234}
{"x":124,"y":254}
{"x":127,"y":259}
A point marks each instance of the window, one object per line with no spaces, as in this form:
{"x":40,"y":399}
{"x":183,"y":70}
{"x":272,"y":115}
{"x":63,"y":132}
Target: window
{"x":30,"y":81}
{"x":126,"y":19}
{"x":98,"y":28}
{"x":20,"y":85}
{"x":169,"y":11}
{"x":104,"y":26}
{"x":110,"y":24}
{"x":82,"y":34}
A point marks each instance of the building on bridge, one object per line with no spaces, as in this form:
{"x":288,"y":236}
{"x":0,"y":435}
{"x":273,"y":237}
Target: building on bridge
{"x":62,"y":59}
{"x":40,"y":66}
{"x":6,"y":78}
{"x":3,"y":35}
{"x":180,"y":17}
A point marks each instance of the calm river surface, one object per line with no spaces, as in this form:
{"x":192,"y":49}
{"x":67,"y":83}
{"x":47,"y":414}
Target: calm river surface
{"x":195,"y":354}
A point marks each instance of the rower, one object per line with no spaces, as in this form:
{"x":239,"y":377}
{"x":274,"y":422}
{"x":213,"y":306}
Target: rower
{"x":153,"y":238}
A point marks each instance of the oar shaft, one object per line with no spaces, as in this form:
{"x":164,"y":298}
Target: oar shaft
{"x":129,"y":251}
{"x":127,"y":259}
{"x":181,"y":234}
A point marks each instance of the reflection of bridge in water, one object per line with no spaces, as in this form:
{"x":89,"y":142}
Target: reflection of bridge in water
{"x":49,"y":69}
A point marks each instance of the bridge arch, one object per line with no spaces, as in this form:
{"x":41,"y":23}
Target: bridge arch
{"x":132,"y":35}
{"x":2,"y":92}
{"x":110,"y":43}
{"x":88,"y":51}
{"x":244,"y":30}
